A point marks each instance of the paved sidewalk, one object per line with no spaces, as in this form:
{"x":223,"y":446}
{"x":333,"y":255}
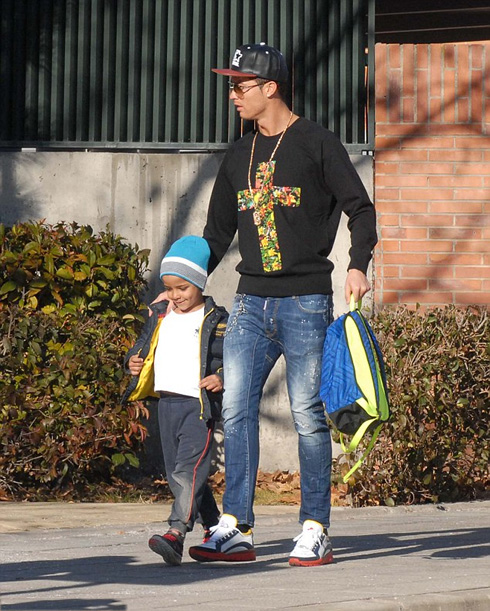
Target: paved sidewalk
{"x":73,"y":557}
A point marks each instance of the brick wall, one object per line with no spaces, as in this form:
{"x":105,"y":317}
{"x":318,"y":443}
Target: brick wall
{"x":432,"y":174}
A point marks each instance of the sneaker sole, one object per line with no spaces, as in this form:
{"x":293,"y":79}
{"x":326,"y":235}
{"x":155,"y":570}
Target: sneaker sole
{"x":169,"y":555}
{"x":328,"y":559}
{"x":210,"y":556}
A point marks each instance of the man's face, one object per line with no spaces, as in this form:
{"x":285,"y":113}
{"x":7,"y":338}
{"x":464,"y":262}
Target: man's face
{"x":248,"y":97}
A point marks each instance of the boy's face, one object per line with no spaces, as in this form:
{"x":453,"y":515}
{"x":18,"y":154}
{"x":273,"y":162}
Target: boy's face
{"x":185,"y":295}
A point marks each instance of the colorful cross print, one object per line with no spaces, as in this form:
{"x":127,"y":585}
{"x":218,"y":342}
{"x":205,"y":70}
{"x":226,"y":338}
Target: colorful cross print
{"x":262,"y":201}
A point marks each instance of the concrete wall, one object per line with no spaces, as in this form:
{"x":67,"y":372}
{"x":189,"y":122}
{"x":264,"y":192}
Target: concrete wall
{"x":152,"y":200}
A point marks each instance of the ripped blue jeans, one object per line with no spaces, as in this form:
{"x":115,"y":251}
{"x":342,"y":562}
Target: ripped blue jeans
{"x":259,"y":330}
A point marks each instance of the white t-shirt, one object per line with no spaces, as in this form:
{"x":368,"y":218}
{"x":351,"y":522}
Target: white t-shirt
{"x":177,"y":358}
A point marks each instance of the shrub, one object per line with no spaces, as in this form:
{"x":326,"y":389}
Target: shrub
{"x":69,"y":310}
{"x":68,"y":268}
{"x":435,"y":448}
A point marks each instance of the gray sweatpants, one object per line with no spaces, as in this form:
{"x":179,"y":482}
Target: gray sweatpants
{"x":186,"y":443}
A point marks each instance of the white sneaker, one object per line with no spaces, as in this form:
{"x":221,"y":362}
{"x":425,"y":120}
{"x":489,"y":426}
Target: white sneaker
{"x":312,"y":547}
{"x":226,"y":543}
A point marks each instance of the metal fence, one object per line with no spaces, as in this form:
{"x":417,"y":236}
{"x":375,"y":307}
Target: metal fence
{"x":136,"y":74}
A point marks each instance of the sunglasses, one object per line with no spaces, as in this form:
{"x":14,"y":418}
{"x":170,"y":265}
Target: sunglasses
{"x":240,"y":89}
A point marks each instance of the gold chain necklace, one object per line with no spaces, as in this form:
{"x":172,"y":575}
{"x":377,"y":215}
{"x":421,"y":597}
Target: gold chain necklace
{"x":258,"y":196}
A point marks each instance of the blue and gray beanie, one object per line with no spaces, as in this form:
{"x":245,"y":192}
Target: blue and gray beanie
{"x":187,"y":258}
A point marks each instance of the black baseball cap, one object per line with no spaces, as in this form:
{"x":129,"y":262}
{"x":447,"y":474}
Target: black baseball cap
{"x":259,"y":61}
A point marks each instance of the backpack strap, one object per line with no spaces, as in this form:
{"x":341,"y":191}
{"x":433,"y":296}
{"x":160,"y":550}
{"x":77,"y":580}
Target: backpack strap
{"x":359,"y":434}
{"x":366,"y":452}
{"x":355,"y":305}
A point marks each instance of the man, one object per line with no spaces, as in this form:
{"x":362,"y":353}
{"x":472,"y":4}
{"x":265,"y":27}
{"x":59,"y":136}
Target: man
{"x":283,"y":188}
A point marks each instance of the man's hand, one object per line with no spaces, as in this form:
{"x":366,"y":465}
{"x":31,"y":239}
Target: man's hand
{"x":356,"y":284}
{"x":135,"y":364}
{"x":162,"y":297}
{"x":213,"y":383}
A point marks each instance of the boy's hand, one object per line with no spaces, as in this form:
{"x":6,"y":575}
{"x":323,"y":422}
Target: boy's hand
{"x":135,"y":365}
{"x":213,"y":383}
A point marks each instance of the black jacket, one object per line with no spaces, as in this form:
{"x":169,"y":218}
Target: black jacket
{"x":211,"y":355}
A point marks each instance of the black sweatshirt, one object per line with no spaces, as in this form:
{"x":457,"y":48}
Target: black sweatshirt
{"x":297,"y":215}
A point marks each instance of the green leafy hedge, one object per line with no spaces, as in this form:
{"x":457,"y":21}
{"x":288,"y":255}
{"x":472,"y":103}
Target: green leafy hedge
{"x":68,"y":268}
{"x":69,"y":310}
{"x":435,"y":448}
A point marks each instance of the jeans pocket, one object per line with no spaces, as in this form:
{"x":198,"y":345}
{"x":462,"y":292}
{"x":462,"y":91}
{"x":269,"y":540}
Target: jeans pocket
{"x":313,"y":304}
{"x":317,"y":305}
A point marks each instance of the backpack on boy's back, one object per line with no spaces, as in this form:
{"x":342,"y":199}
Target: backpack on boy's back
{"x":353,"y":385}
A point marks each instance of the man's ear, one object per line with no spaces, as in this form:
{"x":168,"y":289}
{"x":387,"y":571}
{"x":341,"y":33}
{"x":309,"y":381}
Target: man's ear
{"x":271,"y":88}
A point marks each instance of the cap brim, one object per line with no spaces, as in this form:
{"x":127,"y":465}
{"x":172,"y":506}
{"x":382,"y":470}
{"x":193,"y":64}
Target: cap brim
{"x":229,"y":72}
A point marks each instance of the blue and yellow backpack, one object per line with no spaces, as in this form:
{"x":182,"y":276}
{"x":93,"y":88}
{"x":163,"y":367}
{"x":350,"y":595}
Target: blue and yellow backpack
{"x":353,"y":384}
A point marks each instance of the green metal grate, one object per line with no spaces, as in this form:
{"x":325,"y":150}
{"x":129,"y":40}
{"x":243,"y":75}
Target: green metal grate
{"x":136,"y":74}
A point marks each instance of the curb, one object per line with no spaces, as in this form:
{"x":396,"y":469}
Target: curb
{"x":460,"y":600}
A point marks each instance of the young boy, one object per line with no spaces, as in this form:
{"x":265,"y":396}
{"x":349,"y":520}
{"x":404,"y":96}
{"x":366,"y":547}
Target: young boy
{"x":178,"y":358}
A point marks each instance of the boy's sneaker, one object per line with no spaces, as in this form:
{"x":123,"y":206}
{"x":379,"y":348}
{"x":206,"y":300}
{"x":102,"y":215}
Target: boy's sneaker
{"x":170,"y":547}
{"x":312,"y":547}
{"x":226,"y":543}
